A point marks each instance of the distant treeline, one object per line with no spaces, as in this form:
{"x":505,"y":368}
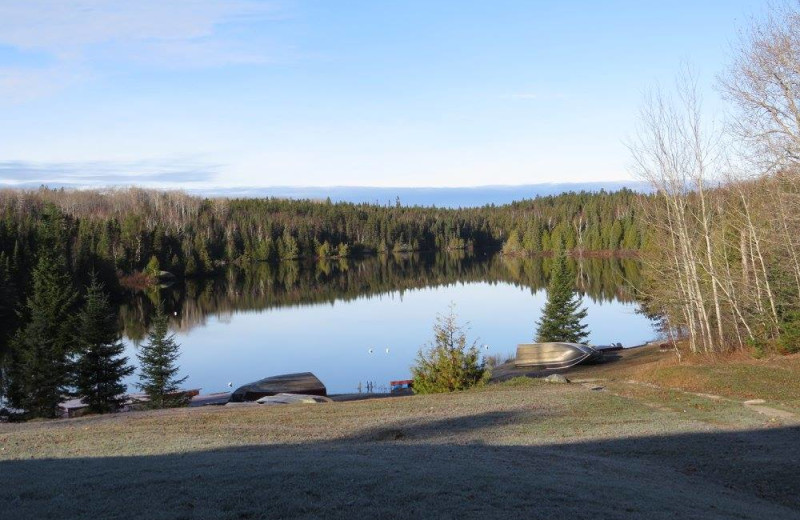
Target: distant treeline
{"x":143,"y":230}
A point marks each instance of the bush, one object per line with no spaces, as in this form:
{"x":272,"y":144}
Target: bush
{"x":449,"y":364}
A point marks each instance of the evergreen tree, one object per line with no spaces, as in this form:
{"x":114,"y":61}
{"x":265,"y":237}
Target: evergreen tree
{"x":41,"y":351}
{"x":324,"y":250}
{"x":290,"y":249}
{"x":191,"y":268}
{"x":513,"y":245}
{"x":8,"y":315}
{"x":153,"y":269}
{"x":8,"y":301}
{"x":449,"y":364}
{"x":562,"y":314}
{"x":101,"y":366}
{"x":158,"y":369}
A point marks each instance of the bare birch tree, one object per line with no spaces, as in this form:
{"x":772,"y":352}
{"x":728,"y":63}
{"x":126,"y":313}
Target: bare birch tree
{"x":763,"y":84}
{"x":673,"y":154}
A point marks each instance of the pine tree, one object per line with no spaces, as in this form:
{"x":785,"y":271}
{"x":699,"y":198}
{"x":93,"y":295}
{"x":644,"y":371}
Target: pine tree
{"x":158,"y":369}
{"x":101,"y":366}
{"x":41,"y":351}
{"x":562,"y":314}
{"x":449,"y":364}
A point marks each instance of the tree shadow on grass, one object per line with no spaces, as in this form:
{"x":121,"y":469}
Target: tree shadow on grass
{"x":427,"y":469}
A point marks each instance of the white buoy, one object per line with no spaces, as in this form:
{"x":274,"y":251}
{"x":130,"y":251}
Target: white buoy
{"x":370,"y":351}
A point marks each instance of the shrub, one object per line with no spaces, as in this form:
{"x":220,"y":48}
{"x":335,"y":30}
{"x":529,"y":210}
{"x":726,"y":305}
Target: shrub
{"x":449,"y":363}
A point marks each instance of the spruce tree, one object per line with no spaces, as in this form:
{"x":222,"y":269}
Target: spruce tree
{"x":8,"y":315}
{"x":101,"y":366}
{"x":562,"y":314}
{"x":450,"y":363}
{"x":158,"y":369}
{"x":8,"y":302}
{"x":41,"y":351}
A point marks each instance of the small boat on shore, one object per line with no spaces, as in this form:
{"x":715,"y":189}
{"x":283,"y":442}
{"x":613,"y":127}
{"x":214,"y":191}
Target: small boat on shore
{"x":215,"y":399}
{"x":555,"y":355}
{"x":300,"y":383}
{"x":294,"y":399}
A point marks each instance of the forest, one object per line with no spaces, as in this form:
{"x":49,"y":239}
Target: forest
{"x":121,"y":232}
{"x":57,"y":244}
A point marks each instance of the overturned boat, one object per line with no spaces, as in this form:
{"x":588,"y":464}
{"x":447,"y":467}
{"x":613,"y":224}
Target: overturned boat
{"x":555,"y":355}
{"x":300,"y":383}
{"x":294,"y":399}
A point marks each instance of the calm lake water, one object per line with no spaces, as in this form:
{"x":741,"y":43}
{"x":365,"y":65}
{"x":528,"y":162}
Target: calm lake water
{"x":359,"y":321}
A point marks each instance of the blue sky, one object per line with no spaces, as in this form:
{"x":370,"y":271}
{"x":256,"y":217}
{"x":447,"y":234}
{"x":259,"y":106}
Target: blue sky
{"x":213,"y":93}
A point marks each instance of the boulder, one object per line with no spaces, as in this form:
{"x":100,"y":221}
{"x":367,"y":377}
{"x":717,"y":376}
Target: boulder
{"x":556,"y":378}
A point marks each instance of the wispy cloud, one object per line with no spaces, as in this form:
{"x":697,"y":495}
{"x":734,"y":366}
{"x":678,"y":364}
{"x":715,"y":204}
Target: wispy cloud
{"x":80,"y":35}
{"x":68,"y":27}
{"x":154,"y":173}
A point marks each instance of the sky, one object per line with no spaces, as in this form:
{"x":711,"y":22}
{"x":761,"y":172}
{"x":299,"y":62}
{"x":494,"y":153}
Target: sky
{"x":248,"y":93}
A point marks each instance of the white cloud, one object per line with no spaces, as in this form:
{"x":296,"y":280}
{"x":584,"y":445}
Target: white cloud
{"x":153,"y":172}
{"x":77,"y":36}
{"x":67,"y":27}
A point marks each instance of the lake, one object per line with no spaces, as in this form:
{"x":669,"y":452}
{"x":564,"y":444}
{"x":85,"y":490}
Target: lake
{"x":355,"y":321}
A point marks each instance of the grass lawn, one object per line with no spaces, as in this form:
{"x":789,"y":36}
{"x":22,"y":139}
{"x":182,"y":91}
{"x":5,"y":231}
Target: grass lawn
{"x":517,"y":449}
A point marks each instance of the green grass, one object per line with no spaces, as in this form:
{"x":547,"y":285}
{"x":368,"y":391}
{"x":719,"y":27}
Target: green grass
{"x":518,"y":448}
{"x":775,"y":380}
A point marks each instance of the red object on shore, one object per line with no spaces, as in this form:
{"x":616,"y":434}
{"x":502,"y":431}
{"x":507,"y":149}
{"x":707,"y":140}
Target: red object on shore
{"x":399,"y":385}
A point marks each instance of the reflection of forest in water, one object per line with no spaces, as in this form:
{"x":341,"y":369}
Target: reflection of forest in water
{"x":268,"y":286}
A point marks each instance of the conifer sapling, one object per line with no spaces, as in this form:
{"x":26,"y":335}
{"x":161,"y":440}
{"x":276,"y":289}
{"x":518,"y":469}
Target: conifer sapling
{"x":158,"y":368}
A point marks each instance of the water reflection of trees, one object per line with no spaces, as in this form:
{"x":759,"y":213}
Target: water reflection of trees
{"x":268,"y":286}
